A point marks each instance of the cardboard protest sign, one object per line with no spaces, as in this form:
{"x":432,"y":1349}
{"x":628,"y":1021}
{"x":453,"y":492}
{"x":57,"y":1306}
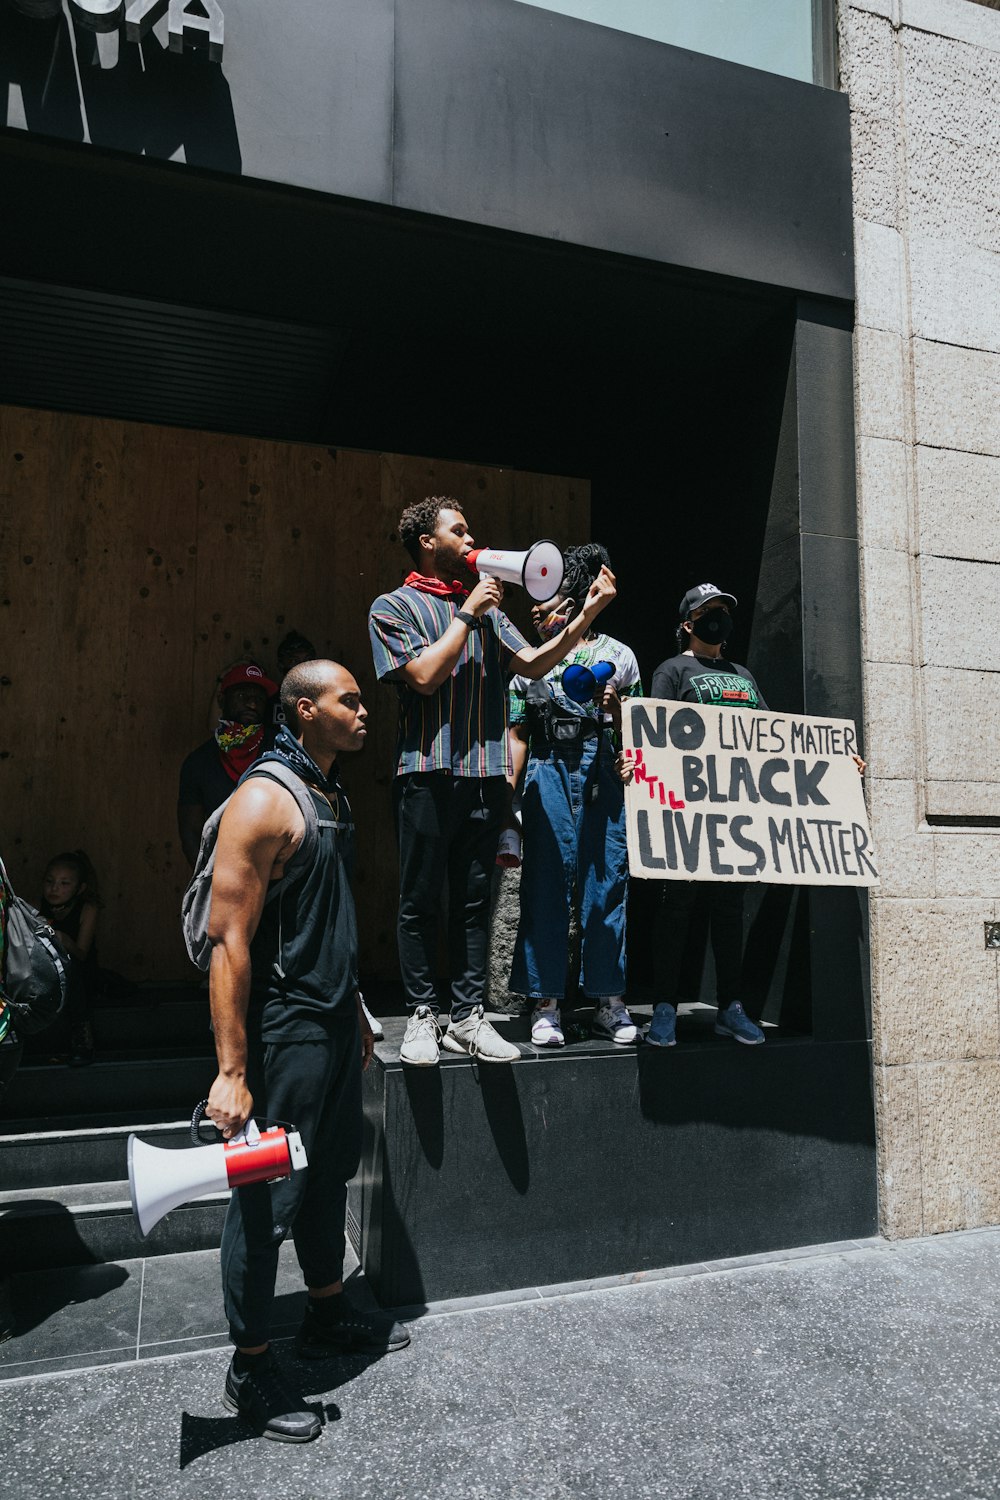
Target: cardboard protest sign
{"x":722,"y":795}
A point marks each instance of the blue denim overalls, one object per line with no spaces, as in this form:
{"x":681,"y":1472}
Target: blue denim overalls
{"x":573,"y":824}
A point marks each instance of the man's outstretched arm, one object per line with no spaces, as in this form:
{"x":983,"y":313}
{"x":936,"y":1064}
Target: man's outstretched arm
{"x":252,"y":836}
{"x":535,"y":661}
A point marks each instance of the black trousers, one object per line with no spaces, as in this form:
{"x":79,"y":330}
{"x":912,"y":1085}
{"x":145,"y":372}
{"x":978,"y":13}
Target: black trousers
{"x":725,"y":915}
{"x":448,"y":827}
{"x":315,"y":1086}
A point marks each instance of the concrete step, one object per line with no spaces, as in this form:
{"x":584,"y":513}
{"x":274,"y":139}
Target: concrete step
{"x":66,"y":1198}
{"x":107,"y":1119}
{"x":108,"y":1087}
{"x":86,"y":1224}
{"x":39,"y":1159}
{"x":154,"y":1016}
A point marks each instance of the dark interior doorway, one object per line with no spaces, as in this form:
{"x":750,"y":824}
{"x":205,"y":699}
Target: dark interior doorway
{"x":412,"y":335}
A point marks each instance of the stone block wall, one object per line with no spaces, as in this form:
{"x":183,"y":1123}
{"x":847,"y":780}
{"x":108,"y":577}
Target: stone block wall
{"x":923,"y":78}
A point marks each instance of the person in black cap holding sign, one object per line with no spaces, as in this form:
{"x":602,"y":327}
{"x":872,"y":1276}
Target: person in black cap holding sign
{"x":701,"y":674}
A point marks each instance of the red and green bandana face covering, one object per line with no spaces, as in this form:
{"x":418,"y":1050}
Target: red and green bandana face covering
{"x":239,"y":745}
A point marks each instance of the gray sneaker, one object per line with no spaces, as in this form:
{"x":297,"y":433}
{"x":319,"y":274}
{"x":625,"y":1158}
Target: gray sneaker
{"x":476,"y":1038}
{"x":420,"y":1044}
{"x":262,"y":1395}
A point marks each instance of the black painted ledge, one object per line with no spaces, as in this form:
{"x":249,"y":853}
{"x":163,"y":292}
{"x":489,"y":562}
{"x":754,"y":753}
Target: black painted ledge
{"x":598,"y":1160}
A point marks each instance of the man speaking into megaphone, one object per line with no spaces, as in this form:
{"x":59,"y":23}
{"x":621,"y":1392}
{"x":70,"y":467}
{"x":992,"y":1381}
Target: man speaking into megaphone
{"x":445,"y":643}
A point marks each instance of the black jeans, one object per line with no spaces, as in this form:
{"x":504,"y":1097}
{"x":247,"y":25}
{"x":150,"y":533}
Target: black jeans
{"x":315,"y":1086}
{"x":448,"y":827}
{"x":725,"y":908}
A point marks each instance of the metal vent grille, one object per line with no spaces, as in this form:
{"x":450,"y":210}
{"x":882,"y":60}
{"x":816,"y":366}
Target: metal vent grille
{"x":83,"y":351}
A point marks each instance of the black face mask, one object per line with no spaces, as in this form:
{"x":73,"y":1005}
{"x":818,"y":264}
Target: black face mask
{"x":713,"y":628}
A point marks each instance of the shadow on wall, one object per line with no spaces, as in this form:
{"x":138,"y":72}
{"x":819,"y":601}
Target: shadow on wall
{"x":62,"y":79}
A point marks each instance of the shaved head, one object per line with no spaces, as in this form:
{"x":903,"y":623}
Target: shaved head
{"x":310,"y":679}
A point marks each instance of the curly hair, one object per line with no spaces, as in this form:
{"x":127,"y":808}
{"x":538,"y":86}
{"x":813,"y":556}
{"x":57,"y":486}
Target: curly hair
{"x":293,"y":643}
{"x":420,"y":520}
{"x":582,"y":566}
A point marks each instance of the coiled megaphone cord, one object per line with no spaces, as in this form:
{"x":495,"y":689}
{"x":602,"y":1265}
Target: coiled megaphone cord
{"x":198,"y":1117}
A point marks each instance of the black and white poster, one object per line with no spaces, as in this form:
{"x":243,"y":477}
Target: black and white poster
{"x":719,"y":794}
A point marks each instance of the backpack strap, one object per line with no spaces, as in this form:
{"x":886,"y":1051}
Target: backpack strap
{"x":304,"y":855}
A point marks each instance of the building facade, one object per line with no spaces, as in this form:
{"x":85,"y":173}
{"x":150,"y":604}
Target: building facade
{"x":923,"y":81}
{"x":535,"y":248}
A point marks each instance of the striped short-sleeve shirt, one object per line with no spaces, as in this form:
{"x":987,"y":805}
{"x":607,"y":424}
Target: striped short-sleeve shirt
{"x":462,"y":728}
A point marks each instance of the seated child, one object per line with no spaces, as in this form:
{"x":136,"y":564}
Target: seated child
{"x":70,"y":901}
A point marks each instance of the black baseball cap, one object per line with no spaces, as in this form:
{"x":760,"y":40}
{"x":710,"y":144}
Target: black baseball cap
{"x":703,"y":593}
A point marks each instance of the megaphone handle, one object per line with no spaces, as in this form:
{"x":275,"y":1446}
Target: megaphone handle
{"x":198,"y":1119}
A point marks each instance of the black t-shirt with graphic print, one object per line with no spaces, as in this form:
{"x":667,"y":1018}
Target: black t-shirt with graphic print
{"x":711,"y":681}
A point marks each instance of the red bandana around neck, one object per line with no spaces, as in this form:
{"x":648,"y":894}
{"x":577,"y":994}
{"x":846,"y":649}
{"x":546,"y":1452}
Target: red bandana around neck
{"x":239,"y":746}
{"x":435,"y":586}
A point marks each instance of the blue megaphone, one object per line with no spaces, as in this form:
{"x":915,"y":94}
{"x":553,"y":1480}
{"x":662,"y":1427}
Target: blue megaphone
{"x":583,"y":684}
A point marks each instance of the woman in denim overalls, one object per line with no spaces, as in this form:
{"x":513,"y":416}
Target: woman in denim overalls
{"x":573,"y":822}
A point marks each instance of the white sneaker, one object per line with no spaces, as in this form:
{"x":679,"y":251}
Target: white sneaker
{"x":546,"y":1030}
{"x":373,"y":1021}
{"x":420,"y":1043}
{"x":477,"y":1038}
{"x":612,"y":1021}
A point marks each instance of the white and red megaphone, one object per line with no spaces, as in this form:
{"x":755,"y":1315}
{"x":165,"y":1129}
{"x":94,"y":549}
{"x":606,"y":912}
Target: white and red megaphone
{"x":539,"y":570}
{"x":160,"y":1180}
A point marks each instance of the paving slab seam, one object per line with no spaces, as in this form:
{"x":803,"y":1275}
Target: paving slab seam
{"x":138,"y":1364}
{"x":51,"y":1359}
{"x":138,"y":1326}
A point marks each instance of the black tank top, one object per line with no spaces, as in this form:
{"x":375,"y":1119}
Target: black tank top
{"x":69,"y":925}
{"x":304,"y":955}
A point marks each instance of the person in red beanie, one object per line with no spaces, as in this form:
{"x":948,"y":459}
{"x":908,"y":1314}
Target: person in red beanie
{"x":210,"y":772}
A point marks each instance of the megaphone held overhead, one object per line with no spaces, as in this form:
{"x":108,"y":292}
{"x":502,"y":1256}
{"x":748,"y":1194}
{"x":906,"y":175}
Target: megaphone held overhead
{"x":583,"y":684}
{"x":539,"y":571}
{"x":160,"y":1180}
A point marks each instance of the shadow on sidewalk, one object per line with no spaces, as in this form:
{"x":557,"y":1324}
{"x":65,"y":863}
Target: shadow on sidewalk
{"x":203,"y":1435}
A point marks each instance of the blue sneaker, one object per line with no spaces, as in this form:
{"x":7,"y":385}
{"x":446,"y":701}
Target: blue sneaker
{"x":734,"y":1022}
{"x":663,"y":1027}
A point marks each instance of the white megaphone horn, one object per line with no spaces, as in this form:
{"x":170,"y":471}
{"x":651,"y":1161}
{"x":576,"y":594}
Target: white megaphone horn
{"x":160,"y":1180}
{"x":539,"y":570}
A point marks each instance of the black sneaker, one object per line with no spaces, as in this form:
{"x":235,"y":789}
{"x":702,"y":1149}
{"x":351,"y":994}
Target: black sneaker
{"x":261,"y":1394}
{"x":348,"y":1331}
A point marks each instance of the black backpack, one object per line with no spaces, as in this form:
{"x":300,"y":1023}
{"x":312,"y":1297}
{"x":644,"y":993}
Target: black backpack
{"x":197,"y":900}
{"x":35,"y":970}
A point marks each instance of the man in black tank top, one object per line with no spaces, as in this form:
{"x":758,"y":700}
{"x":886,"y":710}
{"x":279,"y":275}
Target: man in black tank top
{"x":292,"y":1041}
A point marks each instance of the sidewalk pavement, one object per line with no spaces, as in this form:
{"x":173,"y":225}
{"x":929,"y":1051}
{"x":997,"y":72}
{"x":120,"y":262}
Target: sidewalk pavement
{"x":863,"y":1370}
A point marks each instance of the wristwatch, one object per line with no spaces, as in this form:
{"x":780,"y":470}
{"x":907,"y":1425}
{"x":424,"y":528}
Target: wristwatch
{"x":473,"y":621}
